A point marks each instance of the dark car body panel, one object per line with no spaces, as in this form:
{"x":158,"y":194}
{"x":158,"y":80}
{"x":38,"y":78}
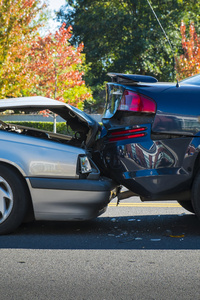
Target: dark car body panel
{"x":152,"y":168}
{"x":160,"y":164}
{"x":121,"y":78}
{"x":177,"y":107}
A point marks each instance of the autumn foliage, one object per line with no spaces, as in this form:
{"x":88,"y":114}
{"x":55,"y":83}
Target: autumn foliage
{"x":188,"y":63}
{"x":18,"y":28}
{"x":33,"y":65}
{"x":58,"y":68}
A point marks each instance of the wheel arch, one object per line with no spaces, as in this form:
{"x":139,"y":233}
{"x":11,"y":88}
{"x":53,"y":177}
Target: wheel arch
{"x":20,"y":173}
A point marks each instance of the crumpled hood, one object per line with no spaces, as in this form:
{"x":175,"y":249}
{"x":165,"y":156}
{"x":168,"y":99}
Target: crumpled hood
{"x":77,"y":119}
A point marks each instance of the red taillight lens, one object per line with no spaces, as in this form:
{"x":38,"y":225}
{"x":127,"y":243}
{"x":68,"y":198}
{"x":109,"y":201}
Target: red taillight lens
{"x":132,"y":101}
{"x":130,"y":131}
{"x":116,"y":139}
{"x":127,"y":134}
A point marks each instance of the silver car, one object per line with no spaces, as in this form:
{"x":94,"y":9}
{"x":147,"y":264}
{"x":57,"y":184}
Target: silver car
{"x":49,"y":176}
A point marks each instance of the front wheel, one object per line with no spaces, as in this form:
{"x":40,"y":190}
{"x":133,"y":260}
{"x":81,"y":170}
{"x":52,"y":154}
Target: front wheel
{"x":13,"y":200}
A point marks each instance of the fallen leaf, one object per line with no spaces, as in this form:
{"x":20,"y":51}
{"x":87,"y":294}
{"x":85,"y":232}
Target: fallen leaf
{"x":177,"y":236}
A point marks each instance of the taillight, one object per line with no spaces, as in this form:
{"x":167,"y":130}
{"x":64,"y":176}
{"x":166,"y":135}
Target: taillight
{"x":127,"y":134}
{"x":129,"y":131}
{"x":132,"y":101}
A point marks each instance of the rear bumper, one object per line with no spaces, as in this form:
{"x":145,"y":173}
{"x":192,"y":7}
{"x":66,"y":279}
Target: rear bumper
{"x":69,"y":199}
{"x":151,"y":168}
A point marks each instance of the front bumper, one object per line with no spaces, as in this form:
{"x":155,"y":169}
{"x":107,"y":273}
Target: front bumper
{"x":69,"y":199}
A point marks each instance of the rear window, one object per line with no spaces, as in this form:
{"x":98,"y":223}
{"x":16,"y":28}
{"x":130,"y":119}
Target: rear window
{"x":195,"y":80}
{"x":114,"y":95}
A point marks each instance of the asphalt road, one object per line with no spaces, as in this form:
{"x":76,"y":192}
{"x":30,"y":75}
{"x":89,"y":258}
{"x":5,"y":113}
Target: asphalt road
{"x":134,"y":251}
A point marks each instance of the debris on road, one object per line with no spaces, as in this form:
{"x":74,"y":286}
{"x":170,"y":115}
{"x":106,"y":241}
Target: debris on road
{"x":113,"y":220}
{"x":178,"y":236}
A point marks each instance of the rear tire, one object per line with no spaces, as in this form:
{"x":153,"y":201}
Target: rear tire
{"x":187,"y":205}
{"x":13,"y":200}
{"x":196,"y":195}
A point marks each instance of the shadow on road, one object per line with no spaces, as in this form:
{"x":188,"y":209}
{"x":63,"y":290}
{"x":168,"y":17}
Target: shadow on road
{"x":136,"y":232}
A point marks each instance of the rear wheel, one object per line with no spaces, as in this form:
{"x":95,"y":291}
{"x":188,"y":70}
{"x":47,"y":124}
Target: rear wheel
{"x":13,"y":200}
{"x":187,"y":205}
{"x":196,"y":195}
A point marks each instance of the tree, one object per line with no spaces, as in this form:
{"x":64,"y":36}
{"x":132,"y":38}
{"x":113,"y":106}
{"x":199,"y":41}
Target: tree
{"x":20,"y":21}
{"x":58,"y":68}
{"x":188,"y":63}
{"x":124,"y":36}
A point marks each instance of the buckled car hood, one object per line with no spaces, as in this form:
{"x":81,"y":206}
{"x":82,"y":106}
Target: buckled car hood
{"x":78,"y":120}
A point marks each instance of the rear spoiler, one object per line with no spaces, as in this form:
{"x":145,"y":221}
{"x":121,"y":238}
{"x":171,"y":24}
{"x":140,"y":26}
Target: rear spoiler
{"x":131,"y":78}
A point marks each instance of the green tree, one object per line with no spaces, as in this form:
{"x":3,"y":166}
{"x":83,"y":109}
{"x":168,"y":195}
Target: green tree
{"x":124,"y":36}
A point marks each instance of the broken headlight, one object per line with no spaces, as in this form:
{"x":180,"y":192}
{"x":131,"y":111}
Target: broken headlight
{"x":84,"y":165}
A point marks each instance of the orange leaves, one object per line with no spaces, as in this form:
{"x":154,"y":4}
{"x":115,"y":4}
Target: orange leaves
{"x":34,"y":65}
{"x":188,"y":64}
{"x":58,"y":67}
{"x":18,"y":28}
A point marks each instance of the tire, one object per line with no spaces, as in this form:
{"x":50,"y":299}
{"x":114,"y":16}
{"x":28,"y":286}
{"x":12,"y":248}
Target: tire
{"x":13,"y":200}
{"x":196,"y":195}
{"x":187,"y":205}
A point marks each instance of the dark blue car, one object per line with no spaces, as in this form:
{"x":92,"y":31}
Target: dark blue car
{"x":151,"y":138}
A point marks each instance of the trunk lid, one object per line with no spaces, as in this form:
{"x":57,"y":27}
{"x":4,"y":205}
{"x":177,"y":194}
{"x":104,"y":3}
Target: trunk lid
{"x":176,"y":110}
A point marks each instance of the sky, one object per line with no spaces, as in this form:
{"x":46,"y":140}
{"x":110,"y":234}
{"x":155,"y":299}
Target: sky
{"x":54,"y":5}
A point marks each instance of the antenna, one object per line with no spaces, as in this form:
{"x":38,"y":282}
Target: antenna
{"x":177,"y":85}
